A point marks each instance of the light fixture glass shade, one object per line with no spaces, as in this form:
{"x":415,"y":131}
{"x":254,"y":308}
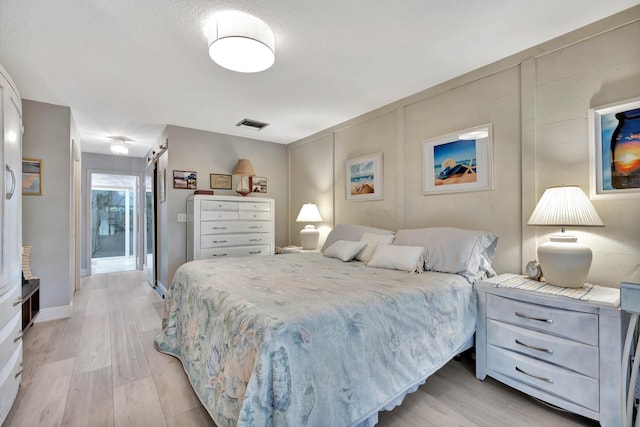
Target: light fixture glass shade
{"x":241,"y":42}
{"x":564,"y":261}
{"x":119,"y":146}
{"x":309,"y":235}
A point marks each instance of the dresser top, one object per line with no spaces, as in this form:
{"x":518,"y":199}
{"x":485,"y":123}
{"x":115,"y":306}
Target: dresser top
{"x":229,"y":198}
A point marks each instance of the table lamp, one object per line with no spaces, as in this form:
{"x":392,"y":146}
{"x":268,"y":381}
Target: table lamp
{"x":564,"y":261}
{"x":309,"y":235}
{"x":244,"y":168}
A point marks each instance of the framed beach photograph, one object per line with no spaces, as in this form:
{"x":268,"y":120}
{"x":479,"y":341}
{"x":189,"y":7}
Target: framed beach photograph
{"x":364,"y":177}
{"x":32,"y":177}
{"x":614,"y":133}
{"x":186,"y":180}
{"x":459,"y":161}
{"x":219,"y":181}
{"x":258,"y":184}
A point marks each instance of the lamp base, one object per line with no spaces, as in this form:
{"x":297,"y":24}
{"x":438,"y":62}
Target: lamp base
{"x":309,"y":236}
{"x":564,"y":261}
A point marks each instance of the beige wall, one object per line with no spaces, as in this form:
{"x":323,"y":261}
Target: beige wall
{"x":537,"y":102}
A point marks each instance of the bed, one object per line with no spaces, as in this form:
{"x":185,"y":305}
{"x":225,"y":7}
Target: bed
{"x":311,"y":339}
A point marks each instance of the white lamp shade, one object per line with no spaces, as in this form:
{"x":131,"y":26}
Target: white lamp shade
{"x":309,"y":235}
{"x":309,"y":213}
{"x":564,"y":261}
{"x":240,"y":42}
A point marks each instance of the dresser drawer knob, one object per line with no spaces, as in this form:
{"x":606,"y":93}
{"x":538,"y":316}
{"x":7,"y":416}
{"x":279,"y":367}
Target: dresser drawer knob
{"x":19,"y":337}
{"x":537,"y":319}
{"x":219,"y":228}
{"x":220,"y":241}
{"x":547,"y":380}
{"x":219,"y":255}
{"x":255,"y":240}
{"x":256,"y":226}
{"x":255,"y":252}
{"x":18,"y":301}
{"x":543,"y":350}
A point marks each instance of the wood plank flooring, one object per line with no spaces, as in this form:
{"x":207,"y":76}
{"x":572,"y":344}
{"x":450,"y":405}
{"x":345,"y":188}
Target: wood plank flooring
{"x":99,"y":368}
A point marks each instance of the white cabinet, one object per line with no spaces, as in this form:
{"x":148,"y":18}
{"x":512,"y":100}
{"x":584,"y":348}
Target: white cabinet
{"x":561,"y":350}
{"x":219,"y":226}
{"x":11,"y":243}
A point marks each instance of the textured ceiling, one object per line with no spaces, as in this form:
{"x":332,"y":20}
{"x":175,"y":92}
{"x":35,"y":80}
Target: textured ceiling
{"x":131,"y":67}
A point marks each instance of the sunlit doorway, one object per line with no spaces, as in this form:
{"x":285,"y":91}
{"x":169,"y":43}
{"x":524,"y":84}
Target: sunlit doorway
{"x":114,"y":222}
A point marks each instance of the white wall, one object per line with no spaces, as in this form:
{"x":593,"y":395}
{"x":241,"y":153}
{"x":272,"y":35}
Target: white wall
{"x":537,"y":102}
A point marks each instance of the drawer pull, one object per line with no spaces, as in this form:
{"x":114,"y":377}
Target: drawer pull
{"x":220,"y":241}
{"x":537,"y":319}
{"x":255,"y":252}
{"x":219,"y":228}
{"x":19,"y":337}
{"x":255,"y":240}
{"x":544,"y":350}
{"x":256,"y":226}
{"x":18,"y":374}
{"x":547,"y":380}
{"x":219,"y":255}
{"x":18,"y":301}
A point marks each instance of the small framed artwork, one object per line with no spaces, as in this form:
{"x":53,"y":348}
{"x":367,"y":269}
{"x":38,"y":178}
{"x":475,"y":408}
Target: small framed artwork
{"x":32,"y":177}
{"x":258,"y":184}
{"x":614,"y":131}
{"x":220,"y":181}
{"x":162,"y":185}
{"x":459,"y":161}
{"x":186,"y":180}
{"x":364,"y":177}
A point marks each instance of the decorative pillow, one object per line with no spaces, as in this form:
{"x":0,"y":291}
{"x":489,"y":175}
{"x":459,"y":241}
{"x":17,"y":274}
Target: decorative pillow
{"x":344,"y":250}
{"x":26,"y":262}
{"x":405,"y":258}
{"x":350,"y":232}
{"x":372,"y":240}
{"x":454,"y":250}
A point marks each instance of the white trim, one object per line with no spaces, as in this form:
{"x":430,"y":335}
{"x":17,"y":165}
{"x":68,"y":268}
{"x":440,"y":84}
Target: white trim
{"x":54,"y":313}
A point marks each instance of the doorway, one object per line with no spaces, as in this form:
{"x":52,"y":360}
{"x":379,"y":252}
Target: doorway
{"x":114,"y":234}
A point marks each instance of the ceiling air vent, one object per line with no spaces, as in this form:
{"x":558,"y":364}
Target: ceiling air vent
{"x":252,"y":124}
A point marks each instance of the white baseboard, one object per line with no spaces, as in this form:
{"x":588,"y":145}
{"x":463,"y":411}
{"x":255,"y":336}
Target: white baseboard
{"x":54,"y":313}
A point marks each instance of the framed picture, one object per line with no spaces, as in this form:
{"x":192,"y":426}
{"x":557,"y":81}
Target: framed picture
{"x":186,"y":180}
{"x":459,"y":161}
{"x":364,"y":177}
{"x":220,"y":181}
{"x":162,"y":185}
{"x":32,"y":177}
{"x":614,"y":131}
{"x":258,"y":184}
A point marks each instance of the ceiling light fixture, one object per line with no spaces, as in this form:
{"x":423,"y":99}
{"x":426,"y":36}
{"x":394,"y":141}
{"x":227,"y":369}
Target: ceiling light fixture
{"x":119,"y":145}
{"x":240,"y":42}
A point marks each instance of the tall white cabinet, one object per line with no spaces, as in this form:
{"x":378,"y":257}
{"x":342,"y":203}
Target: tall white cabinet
{"x":221,"y":226}
{"x":10,"y":243}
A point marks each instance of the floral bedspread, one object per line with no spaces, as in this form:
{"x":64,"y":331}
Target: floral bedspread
{"x":306,"y":340}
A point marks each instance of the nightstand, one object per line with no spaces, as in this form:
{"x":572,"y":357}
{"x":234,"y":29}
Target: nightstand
{"x":561,"y":350}
{"x":297,"y":249}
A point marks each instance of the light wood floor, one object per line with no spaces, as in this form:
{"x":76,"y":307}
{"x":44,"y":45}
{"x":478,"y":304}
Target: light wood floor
{"x":99,"y":368}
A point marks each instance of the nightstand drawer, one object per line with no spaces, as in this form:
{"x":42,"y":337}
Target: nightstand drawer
{"x":573,"y":387}
{"x":572,"y":355}
{"x":576,"y":326}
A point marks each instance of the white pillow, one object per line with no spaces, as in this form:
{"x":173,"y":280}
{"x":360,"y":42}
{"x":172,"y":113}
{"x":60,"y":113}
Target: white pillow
{"x":454,"y":250}
{"x":405,"y":258}
{"x":344,"y":250}
{"x":372,"y":240}
{"x":351,"y":232}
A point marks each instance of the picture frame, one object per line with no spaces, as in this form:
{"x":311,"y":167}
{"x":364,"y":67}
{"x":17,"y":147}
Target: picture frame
{"x":460,"y":161}
{"x":615,"y":127}
{"x":162,"y":185}
{"x":31,"y":177}
{"x":220,"y":181}
{"x":258,"y":184}
{"x":185,"y":180}
{"x":364,"y":177}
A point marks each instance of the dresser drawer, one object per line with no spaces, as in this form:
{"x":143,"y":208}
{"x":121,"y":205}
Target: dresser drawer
{"x":10,"y":303}
{"x":221,"y":240}
{"x":569,"y":354}
{"x":576,"y":326}
{"x":218,"y":205}
{"x":219,"y":216}
{"x":10,"y":338}
{"x":570,"y":386}
{"x":10,"y":377}
{"x":236,"y":251}
{"x":255,"y":206}
{"x":254,"y":215}
{"x":232,"y":227}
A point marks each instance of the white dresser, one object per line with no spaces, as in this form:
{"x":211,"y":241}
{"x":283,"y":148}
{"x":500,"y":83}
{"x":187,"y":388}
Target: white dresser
{"x":11,"y":241}
{"x":561,"y":350}
{"x":219,"y":226}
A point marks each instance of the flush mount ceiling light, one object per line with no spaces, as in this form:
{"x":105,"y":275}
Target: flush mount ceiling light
{"x":119,"y":145}
{"x":240,"y":42}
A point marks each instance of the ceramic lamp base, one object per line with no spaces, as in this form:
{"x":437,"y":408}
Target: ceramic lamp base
{"x":309,"y":236}
{"x":564,"y":261}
